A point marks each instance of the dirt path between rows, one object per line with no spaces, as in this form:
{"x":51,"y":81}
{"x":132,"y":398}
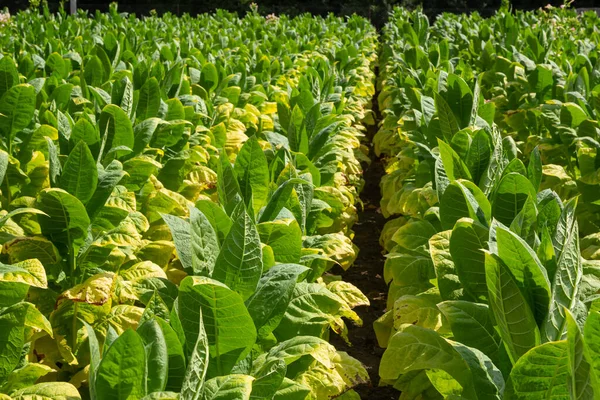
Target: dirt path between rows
{"x":367,"y":275}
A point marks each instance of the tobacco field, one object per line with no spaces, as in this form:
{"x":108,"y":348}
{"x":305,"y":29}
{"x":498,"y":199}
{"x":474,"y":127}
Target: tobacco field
{"x":183,"y":200}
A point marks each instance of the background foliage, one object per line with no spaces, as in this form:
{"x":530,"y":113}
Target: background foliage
{"x":376,"y":10}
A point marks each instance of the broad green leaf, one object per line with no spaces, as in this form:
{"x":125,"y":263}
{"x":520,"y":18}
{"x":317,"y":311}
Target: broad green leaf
{"x":269,"y":302}
{"x":542,"y":373}
{"x":427,"y":108}
{"x":182,"y":237}
{"x":467,"y":245}
{"x":581,"y":384}
{"x":17,"y":107}
{"x":204,"y":242}
{"x":349,"y":293}
{"x":9,"y":76}
{"x":462,"y":199}
{"x":116,"y":130}
{"x":550,"y":209}
{"x":209,"y":77}
{"x":149,"y":100}
{"x":414,"y":234}
{"x":67,"y":221}
{"x":445,"y":270}
{"x":487,"y":378}
{"x":143,"y":133}
{"x":347,"y":372}
{"x":516,"y":166}
{"x":525,"y":223}
{"x":79,"y":174}
{"x":84,"y":130}
{"x":252,"y":172}
{"x":515,"y":320}
{"x":193,"y":383}
{"x":157,"y":361}
{"x":279,"y":199}
{"x":268,"y":380}
{"x":217,"y":217}
{"x":460,"y":99}
{"x":534,"y":168}
{"x":454,"y":166}
{"x":478,"y":157}
{"x":572,"y":115}
{"x":94,"y":359}
{"x":448,"y":122}
{"x":121,"y":373}
{"x":227,"y":184}
{"x":526,"y":270}
{"x":294,"y":349}
{"x":176,"y":354}
{"x":11,"y":338}
{"x":591,"y":335}
{"x":229,"y":327}
{"x":418,"y":310}
{"x":239,"y":264}
{"x":568,"y":272}
{"x":496,"y":165}
{"x":415,"y":348}
{"x":510,"y":196}
{"x":284,"y":236}
{"x":108,"y":178}
{"x":473,"y":326}
{"x":541,"y":82}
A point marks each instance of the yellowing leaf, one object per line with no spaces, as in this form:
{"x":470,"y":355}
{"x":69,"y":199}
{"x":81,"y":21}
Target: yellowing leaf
{"x":95,"y":290}
{"x":144,"y":269}
{"x":349,"y":293}
{"x":30,"y":272}
{"x":122,"y":317}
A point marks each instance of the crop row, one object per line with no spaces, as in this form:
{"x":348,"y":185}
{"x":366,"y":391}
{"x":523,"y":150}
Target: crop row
{"x":173,"y":191}
{"x":490,"y":142}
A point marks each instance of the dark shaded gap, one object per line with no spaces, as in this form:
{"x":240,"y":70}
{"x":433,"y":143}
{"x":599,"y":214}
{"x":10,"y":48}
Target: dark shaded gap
{"x":367,"y":275}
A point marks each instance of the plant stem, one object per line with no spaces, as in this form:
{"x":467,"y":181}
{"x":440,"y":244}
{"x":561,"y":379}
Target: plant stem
{"x":72,"y":265}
